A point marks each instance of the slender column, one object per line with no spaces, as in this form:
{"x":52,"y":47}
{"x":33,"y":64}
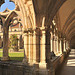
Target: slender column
{"x":5,"y":43}
{"x":54,"y":43}
{"x":35,"y":47}
{"x":43,"y":50}
{"x":43,"y":47}
{"x":60,"y":46}
{"x":30,"y":46}
{"x":67,"y":45}
{"x":64,"y":44}
{"x":51,"y":42}
{"x":57,"y":45}
{"x":25,"y":59}
{"x":25,"y":43}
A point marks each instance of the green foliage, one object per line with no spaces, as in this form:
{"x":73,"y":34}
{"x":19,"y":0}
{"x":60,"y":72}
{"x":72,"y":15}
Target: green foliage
{"x":14,"y":42}
{"x":14,"y":39}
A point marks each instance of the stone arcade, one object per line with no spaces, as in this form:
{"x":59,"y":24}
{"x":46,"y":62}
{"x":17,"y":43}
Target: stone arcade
{"x":48,"y":27}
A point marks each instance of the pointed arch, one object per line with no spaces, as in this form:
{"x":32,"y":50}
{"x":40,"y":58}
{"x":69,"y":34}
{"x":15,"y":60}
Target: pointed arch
{"x":9,"y":17}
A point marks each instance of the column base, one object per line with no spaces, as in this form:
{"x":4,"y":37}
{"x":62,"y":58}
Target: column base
{"x":5,"y":58}
{"x":42,"y":65}
{"x":36,"y":65}
{"x":44,"y":72}
{"x":43,"y":69}
{"x":25,"y":61}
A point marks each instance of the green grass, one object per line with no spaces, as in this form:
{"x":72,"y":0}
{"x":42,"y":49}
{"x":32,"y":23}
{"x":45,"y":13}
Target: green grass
{"x":1,"y":54}
{"x":14,"y":55}
{"x":1,"y":49}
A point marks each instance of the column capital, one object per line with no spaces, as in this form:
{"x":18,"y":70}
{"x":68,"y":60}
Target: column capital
{"x":25,"y":31}
{"x":30,"y":30}
{"x":60,"y":38}
{"x":54,"y":38}
{"x":51,"y":35}
{"x":64,"y":40}
{"x":44,"y":28}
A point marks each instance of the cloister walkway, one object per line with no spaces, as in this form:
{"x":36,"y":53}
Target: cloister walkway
{"x":69,"y":66}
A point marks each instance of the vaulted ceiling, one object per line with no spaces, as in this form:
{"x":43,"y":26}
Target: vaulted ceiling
{"x":67,"y":19}
{"x":48,"y":9}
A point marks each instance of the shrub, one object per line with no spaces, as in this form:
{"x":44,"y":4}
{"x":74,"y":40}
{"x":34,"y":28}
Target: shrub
{"x":14,"y":42}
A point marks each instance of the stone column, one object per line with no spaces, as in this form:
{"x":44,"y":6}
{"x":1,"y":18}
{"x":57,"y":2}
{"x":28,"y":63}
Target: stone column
{"x":54,"y":44}
{"x":5,"y":43}
{"x":60,"y":46}
{"x":57,"y":45}
{"x":36,"y":48}
{"x":43,"y":64}
{"x":51,"y":42}
{"x":26,"y":43}
{"x":67,"y":45}
{"x":64,"y":44}
{"x":25,"y":47}
{"x":30,"y":33}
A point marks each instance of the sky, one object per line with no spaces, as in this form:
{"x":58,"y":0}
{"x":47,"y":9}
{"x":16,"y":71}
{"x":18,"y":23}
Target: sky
{"x":7,"y":4}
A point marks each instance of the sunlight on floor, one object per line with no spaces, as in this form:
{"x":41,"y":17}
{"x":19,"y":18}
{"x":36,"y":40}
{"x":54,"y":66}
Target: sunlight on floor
{"x":71,"y":60}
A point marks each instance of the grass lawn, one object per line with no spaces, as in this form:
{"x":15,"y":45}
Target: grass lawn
{"x":1,"y":49}
{"x":14,"y":55}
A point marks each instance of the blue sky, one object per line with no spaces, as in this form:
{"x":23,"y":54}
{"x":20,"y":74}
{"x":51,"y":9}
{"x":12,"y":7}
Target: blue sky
{"x":7,"y":4}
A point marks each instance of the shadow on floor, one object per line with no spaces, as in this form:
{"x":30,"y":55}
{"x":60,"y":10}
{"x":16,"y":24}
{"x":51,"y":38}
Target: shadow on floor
{"x":68,"y":67}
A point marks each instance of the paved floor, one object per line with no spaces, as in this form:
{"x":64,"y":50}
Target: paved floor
{"x":69,"y":66}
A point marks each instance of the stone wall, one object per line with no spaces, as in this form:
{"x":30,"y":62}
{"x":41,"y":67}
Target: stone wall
{"x":8,"y":68}
{"x":18,"y":68}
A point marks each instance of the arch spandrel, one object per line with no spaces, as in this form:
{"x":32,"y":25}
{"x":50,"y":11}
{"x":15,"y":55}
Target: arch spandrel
{"x":10,"y":17}
{"x":25,"y":7}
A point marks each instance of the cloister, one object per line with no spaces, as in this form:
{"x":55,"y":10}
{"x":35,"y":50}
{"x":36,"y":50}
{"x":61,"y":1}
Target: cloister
{"x":48,"y":32}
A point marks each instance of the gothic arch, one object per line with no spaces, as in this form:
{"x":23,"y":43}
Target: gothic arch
{"x":24,"y":11}
{"x":48,"y":10}
{"x":9,"y":18}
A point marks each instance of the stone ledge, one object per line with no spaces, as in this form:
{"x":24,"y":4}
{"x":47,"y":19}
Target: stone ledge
{"x":17,"y":68}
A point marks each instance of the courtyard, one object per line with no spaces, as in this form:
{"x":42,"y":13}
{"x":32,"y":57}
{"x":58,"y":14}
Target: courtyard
{"x":18,"y":56}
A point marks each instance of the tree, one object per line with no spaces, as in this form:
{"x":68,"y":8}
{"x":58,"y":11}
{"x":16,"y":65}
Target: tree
{"x":14,"y":42}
